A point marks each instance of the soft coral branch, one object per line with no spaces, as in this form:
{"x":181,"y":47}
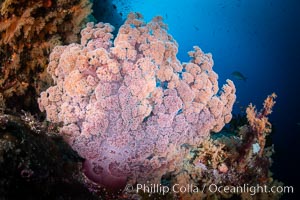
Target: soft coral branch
{"x":258,"y":121}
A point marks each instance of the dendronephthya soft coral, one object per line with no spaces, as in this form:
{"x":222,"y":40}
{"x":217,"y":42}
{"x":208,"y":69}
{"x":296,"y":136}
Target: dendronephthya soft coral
{"x":127,"y":106}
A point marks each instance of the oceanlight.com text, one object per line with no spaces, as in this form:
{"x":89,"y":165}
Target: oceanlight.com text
{"x":211,"y":188}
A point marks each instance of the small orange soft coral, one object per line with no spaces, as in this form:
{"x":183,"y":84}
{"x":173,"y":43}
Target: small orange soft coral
{"x":29,"y":30}
{"x":47,"y":3}
{"x":259,"y":121}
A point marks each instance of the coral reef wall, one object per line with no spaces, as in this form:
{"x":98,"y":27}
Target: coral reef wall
{"x":36,"y":164}
{"x":129,"y":106}
{"x":29,"y":30}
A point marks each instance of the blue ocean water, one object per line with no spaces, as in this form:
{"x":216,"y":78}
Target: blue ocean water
{"x":260,"y":39}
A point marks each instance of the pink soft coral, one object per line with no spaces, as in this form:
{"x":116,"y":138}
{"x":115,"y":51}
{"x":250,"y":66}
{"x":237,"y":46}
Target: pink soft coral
{"x":129,"y":106}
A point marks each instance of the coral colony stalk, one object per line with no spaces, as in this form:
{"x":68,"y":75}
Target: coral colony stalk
{"x":129,"y":106}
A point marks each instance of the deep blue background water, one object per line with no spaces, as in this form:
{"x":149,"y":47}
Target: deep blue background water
{"x":259,"y":38}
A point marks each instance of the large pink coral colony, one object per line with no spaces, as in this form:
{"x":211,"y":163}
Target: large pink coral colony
{"x":130,"y":107}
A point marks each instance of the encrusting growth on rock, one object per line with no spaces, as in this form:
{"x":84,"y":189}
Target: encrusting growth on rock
{"x":29,"y":30}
